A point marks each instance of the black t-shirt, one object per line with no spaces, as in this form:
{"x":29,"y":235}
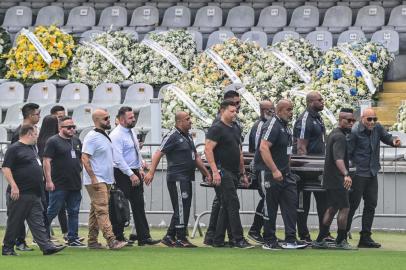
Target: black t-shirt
{"x":227,"y":150}
{"x":23,"y":161}
{"x":277,"y":132}
{"x":65,"y":166}
{"x":310,"y":126}
{"x":336,"y":149}
{"x":180,"y":152}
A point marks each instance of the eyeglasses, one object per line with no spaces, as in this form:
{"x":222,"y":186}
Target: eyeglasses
{"x":370,"y":119}
{"x":69,"y":127}
{"x":106,"y":118}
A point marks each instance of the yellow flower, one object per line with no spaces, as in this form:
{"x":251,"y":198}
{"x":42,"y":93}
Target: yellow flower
{"x":55,"y":64}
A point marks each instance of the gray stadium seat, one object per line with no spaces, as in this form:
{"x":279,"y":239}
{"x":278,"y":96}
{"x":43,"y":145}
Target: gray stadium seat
{"x":176,"y":17}
{"x":74,"y":95}
{"x":11,"y":93}
{"x":258,"y":37}
{"x":388,"y":38}
{"x":80,"y":19}
{"x":112,"y":18}
{"x":218,"y":37}
{"x":51,"y":15}
{"x":143,"y":120}
{"x":321,"y":39}
{"x":90,"y":34}
{"x":14,"y":117}
{"x":304,"y":19}
{"x":144,"y":19}
{"x":240,"y":19}
{"x":397,"y":18}
{"x":42,"y":93}
{"x":3,"y":134}
{"x":106,"y":95}
{"x":139,"y":95}
{"x":198,"y":38}
{"x":208,"y":19}
{"x":84,"y":132}
{"x":272,"y":19}
{"x":337,"y":19}
{"x":280,"y":36}
{"x":357,"y":4}
{"x":17,"y":18}
{"x":370,"y":18}
{"x":350,"y":36}
{"x":82,"y":116}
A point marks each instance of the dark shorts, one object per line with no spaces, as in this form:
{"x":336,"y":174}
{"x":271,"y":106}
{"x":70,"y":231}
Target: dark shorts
{"x":338,"y":198}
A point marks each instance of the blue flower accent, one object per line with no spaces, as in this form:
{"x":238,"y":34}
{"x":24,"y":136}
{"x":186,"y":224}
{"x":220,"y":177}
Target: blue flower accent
{"x":338,"y":61}
{"x":353,"y":91}
{"x":358,"y":73}
{"x":320,"y":74}
{"x":373,"y":58}
{"x":337,"y":74}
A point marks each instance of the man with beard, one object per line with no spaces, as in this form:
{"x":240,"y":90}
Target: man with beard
{"x":98,"y":157}
{"x":126,"y":143}
{"x":62,"y":170}
{"x":337,"y":182}
{"x":308,"y":139}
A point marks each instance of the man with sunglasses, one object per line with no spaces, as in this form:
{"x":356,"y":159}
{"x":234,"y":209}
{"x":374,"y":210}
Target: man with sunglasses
{"x":62,"y":170}
{"x":364,"y":152}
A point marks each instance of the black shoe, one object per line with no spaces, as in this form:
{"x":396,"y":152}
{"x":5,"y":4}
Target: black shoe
{"x":133,"y":237}
{"x":219,"y":245}
{"x":306,"y":238}
{"x":53,"y":250}
{"x":168,"y":241}
{"x":256,"y":237}
{"x":184,"y":244}
{"x":243,"y":244}
{"x":271,"y":245}
{"x":208,"y":241}
{"x":367,"y":242}
{"x":8,"y":252}
{"x":23,"y":247}
{"x":148,"y":241}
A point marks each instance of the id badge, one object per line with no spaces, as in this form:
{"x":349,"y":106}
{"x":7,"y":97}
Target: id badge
{"x":193,"y":155}
{"x":39,"y":162}
{"x":289,"y":150}
{"x":73,"y":153}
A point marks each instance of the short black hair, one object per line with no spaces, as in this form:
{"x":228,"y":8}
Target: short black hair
{"x":123,"y":110}
{"x":25,"y":129}
{"x":29,"y":109}
{"x":346,"y":110}
{"x":57,"y":108}
{"x":65,"y":118}
{"x":226,"y":103}
{"x":231,"y":94}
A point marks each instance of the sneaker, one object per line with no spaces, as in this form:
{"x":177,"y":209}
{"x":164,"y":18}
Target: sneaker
{"x":243,"y":243}
{"x":294,"y":245}
{"x":256,"y":237}
{"x":133,"y":237}
{"x":81,"y":239}
{"x":115,"y":245}
{"x":76,"y":243}
{"x":320,"y":245}
{"x":148,"y":242}
{"x":168,"y":241}
{"x":24,"y":247}
{"x":95,"y":246}
{"x":344,"y":245}
{"x":307,"y":239}
{"x":184,"y":244}
{"x":271,"y":245}
{"x":330,"y":239}
{"x":8,"y":252}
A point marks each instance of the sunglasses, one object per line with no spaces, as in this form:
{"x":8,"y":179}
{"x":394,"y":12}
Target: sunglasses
{"x":106,"y":118}
{"x":351,"y":120}
{"x":370,"y":119}
{"x":69,"y":127}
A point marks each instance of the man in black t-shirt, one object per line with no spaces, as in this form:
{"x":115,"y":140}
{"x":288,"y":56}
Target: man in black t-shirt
{"x":62,"y":169}
{"x":278,"y":184}
{"x":180,"y":151}
{"x":22,"y":170}
{"x":224,"y":155}
{"x":337,"y":182}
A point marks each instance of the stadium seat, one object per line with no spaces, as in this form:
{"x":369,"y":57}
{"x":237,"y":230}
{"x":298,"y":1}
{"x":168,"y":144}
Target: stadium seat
{"x":50,"y":15}
{"x":3,"y":134}
{"x":144,"y":19}
{"x":80,"y":19}
{"x":82,"y":116}
{"x":199,"y":138}
{"x":370,"y":18}
{"x":132,"y":33}
{"x":46,"y":110}
{"x":218,"y":37}
{"x":177,"y":17}
{"x":89,"y":35}
{"x":143,"y":120}
{"x":84,"y":132}
{"x":112,"y":18}
{"x":272,"y":19}
{"x":11,"y":93}
{"x":14,"y":117}
{"x":74,"y":95}
{"x":208,"y":19}
{"x":304,"y":19}
{"x":139,"y":95}
{"x":321,"y":39}
{"x":337,"y":19}
{"x":42,"y":93}
{"x":198,"y":38}
{"x":17,"y":18}
{"x":353,"y":4}
{"x":258,"y":37}
{"x":106,"y":95}
{"x":280,"y":36}
{"x":350,"y":36}
{"x":240,"y":19}
{"x":397,"y":19}
{"x":388,"y":38}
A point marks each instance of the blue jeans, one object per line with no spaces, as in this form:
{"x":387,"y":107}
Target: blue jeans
{"x":71,"y":199}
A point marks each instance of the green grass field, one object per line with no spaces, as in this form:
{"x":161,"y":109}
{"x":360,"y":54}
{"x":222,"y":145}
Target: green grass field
{"x":391,"y":256}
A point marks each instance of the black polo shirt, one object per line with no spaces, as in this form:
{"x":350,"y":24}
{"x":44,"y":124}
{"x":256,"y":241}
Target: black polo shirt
{"x":277,"y":132}
{"x":336,"y":149}
{"x":255,"y":135}
{"x":310,"y":126}
{"x":180,"y":152}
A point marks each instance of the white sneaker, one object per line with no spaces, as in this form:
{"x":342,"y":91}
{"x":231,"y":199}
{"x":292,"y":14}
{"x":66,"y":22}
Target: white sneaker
{"x":294,"y":245}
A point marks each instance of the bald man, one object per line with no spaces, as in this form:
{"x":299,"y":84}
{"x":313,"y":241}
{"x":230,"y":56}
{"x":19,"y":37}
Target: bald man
{"x":180,"y":151}
{"x":364,"y":146}
{"x":277,"y":183}
{"x":98,"y":157}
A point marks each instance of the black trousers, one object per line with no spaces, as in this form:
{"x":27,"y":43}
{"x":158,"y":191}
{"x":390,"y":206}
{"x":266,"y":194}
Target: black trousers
{"x":285,"y":195}
{"x":28,"y":208}
{"x":135,"y":195}
{"x":229,"y":208}
{"x":258,"y":222}
{"x":180,"y":193}
{"x":367,"y":189}
{"x":215,"y":210}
